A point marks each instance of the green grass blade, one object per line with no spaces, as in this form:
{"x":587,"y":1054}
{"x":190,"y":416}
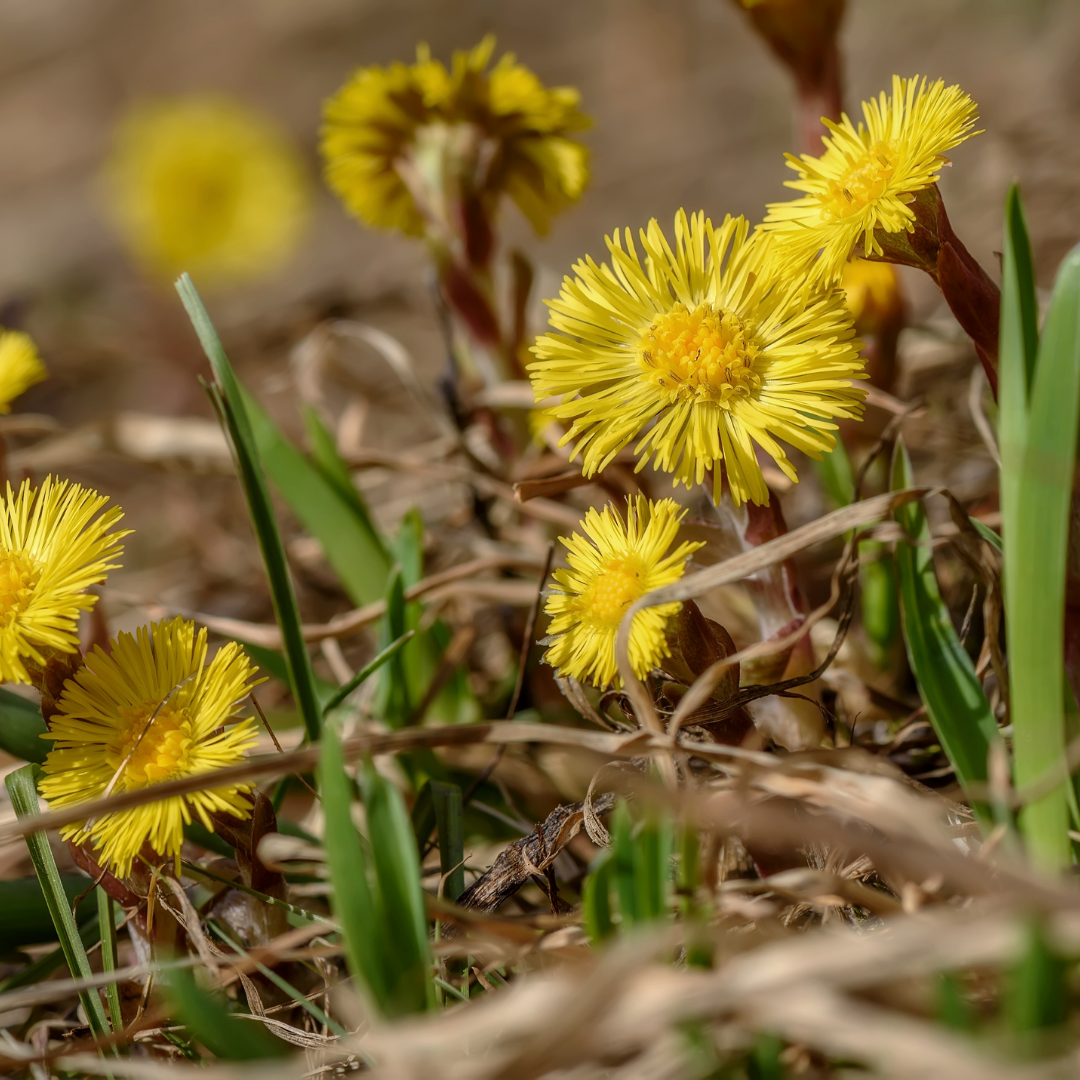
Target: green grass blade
{"x":954,"y":698}
{"x":624,"y":865}
{"x":352,"y":900}
{"x":22,"y":789}
{"x":449,"y":822}
{"x":366,"y":672}
{"x":394,"y":700}
{"x":836,"y":475}
{"x":228,"y":399}
{"x":207,"y":1016}
{"x":21,"y":728}
{"x":106,"y":908}
{"x":401,"y":898}
{"x":596,"y":899}
{"x":1036,"y":544}
{"x":352,"y":548}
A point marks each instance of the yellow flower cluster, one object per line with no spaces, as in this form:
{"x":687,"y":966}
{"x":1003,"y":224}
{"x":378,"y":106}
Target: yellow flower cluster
{"x":394,"y":137}
{"x":703,"y":352}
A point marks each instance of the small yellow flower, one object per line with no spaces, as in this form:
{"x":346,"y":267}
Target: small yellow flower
{"x":868,"y":176}
{"x":391,"y":134}
{"x":150,"y":710}
{"x":206,"y":185}
{"x":709,"y":349}
{"x":610,"y":567}
{"x":52,"y":549}
{"x":872,"y":291}
{"x":20,"y":366}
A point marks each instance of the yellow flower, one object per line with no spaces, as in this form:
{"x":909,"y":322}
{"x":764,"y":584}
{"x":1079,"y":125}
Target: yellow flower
{"x":391,"y":134}
{"x":867,"y":177}
{"x":610,"y":567}
{"x":20,"y":366}
{"x":150,"y":710}
{"x":712,"y":342}
{"x":206,"y":185}
{"x":872,"y":292}
{"x":52,"y":549}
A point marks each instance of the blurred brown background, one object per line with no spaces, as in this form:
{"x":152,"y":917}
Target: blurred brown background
{"x":689,"y":110}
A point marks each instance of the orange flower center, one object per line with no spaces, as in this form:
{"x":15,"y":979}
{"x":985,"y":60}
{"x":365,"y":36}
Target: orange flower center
{"x":19,"y":574}
{"x":866,"y":179}
{"x":160,"y":748}
{"x":615,"y":588}
{"x":704,"y":354}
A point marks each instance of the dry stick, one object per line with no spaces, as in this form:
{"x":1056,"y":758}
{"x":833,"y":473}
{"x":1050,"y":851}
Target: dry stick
{"x":734,"y":569}
{"x":269,"y":634}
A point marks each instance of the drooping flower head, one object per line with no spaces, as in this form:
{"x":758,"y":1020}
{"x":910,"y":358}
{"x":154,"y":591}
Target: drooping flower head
{"x":867,"y":176}
{"x":20,"y":366}
{"x":207,"y":185}
{"x":54,"y":545}
{"x":150,"y":710}
{"x":610,"y":567}
{"x":394,"y":137}
{"x":707,"y":350}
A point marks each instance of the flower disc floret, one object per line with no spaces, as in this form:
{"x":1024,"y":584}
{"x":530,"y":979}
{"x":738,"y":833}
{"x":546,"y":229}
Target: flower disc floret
{"x":868,"y":176}
{"x":703,"y":351}
{"x":150,"y":710}
{"x":54,"y":544}
{"x":611,"y":566}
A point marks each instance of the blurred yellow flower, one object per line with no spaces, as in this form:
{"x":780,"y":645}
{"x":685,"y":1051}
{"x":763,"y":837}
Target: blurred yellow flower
{"x":52,"y":549}
{"x":614,"y":564}
{"x":710,"y":349}
{"x":206,"y":185}
{"x":394,"y":138}
{"x":872,"y":291}
{"x":150,"y":710}
{"x":868,"y":176}
{"x":20,"y":366}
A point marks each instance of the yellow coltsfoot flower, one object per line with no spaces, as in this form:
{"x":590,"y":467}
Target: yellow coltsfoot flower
{"x":150,"y":710}
{"x":20,"y":366}
{"x":53,"y":547}
{"x":710,"y":349}
{"x":610,"y":567}
{"x":396,"y":139}
{"x":868,"y":176}
{"x":206,"y":185}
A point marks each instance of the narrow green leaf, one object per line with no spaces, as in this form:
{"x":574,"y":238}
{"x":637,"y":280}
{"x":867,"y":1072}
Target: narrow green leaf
{"x":356,"y":553}
{"x":446,"y":799}
{"x":949,"y":687}
{"x":21,"y":728}
{"x":401,"y":898}
{"x":988,"y":534}
{"x":207,"y":1015}
{"x":1036,"y":543}
{"x":394,"y":700}
{"x":351,"y":899}
{"x":624,"y":865}
{"x":836,"y":475}
{"x":227,"y":397}
{"x":22,"y":789}
{"x":106,"y":908}
{"x":953,"y":1008}
{"x":596,"y":899}
{"x":1037,"y":994}
{"x":366,"y":672}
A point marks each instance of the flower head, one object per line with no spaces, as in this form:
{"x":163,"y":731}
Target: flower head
{"x":53,"y":547}
{"x":872,"y":291}
{"x":708,"y":350}
{"x":20,"y":366}
{"x":614,"y":564}
{"x":150,"y":710}
{"x":867,"y":177}
{"x":392,"y":135}
{"x":206,"y":185}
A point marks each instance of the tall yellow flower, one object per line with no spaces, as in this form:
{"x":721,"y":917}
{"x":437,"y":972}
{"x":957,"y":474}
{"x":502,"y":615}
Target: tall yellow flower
{"x":394,"y":136}
{"x":20,"y":366}
{"x":710,"y":349}
{"x":610,"y":567}
{"x":53,"y":547}
{"x":150,"y":710}
{"x":206,"y":185}
{"x":868,"y":176}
